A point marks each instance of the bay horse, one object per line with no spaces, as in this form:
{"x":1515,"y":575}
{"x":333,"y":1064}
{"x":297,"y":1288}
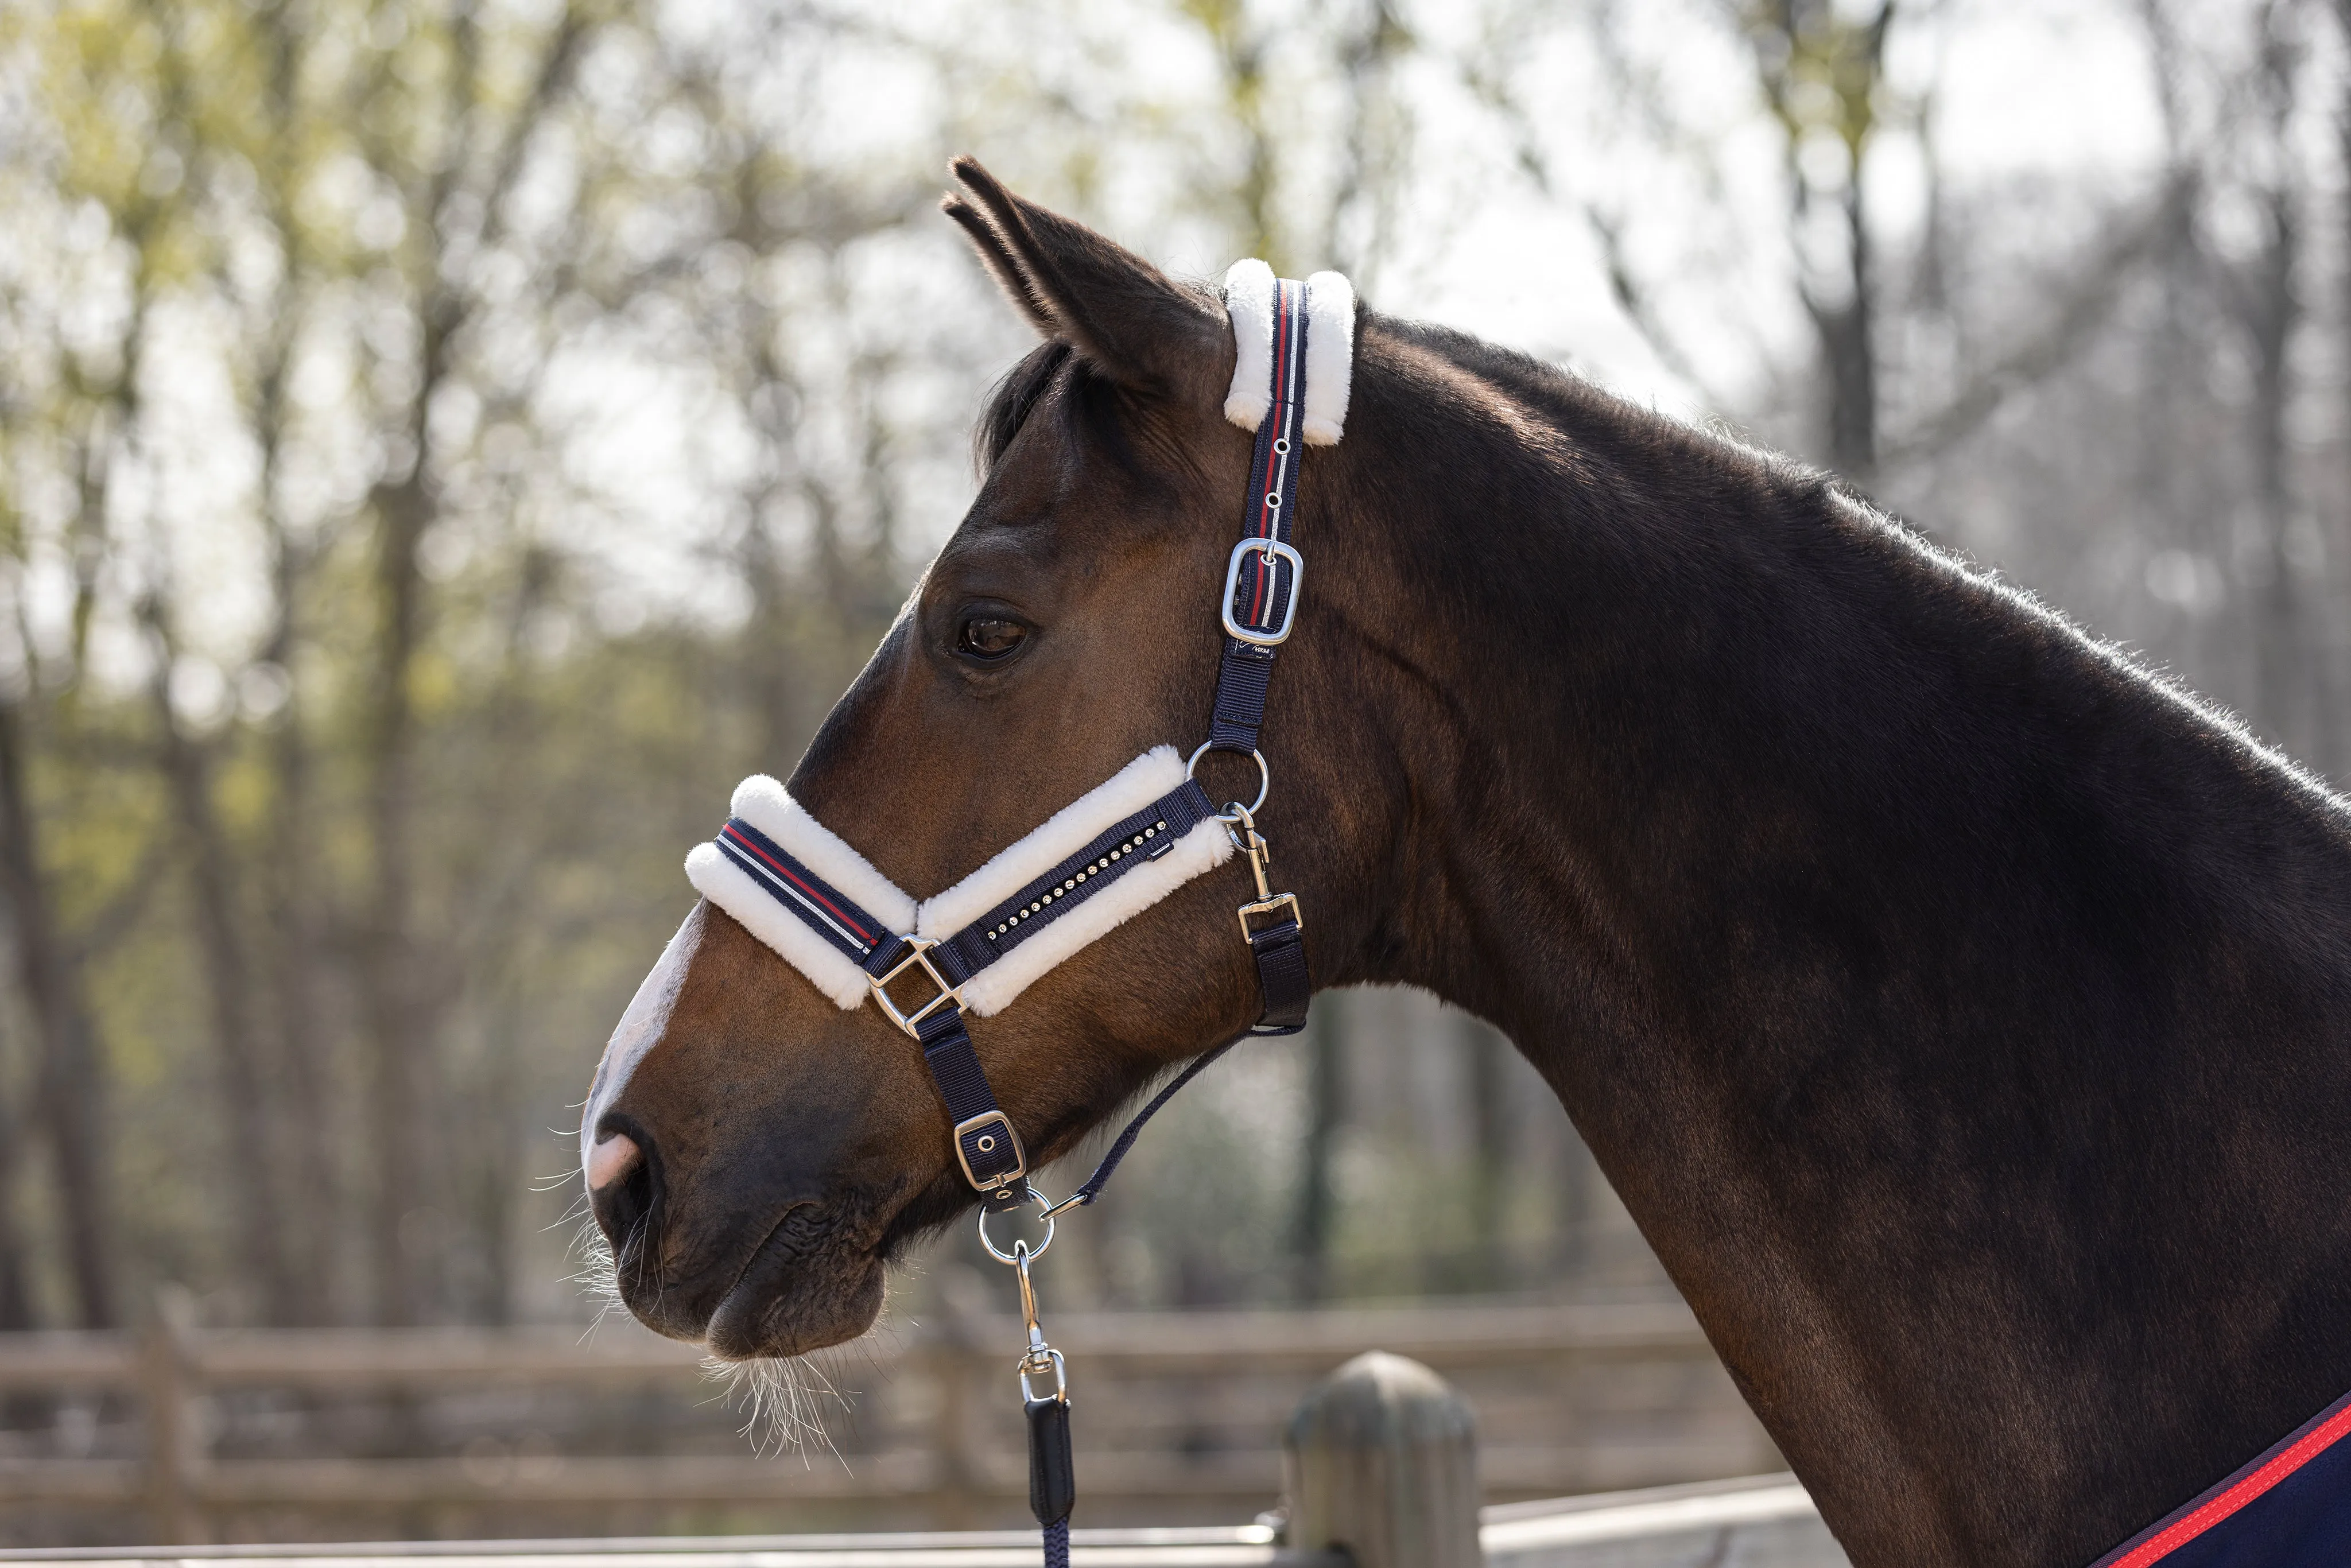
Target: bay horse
{"x":1963,"y":1012}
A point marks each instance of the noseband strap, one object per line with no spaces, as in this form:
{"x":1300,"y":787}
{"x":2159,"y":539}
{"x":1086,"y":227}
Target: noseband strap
{"x":1115,"y":850}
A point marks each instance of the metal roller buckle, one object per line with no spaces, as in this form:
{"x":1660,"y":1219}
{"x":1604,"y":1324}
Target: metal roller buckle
{"x":1270,"y":550}
{"x":987,"y":1143}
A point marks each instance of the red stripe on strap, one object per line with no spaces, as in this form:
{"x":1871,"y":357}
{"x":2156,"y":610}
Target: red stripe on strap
{"x":2245,"y":1490}
{"x":1268,"y":526}
{"x":787,"y":872}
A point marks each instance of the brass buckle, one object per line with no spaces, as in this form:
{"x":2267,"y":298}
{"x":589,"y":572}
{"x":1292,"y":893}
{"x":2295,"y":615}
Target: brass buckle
{"x":1266,"y":906}
{"x":1251,"y":843}
{"x":881,"y":986}
{"x":963,"y":1156}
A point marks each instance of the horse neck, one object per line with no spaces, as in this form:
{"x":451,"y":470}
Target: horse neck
{"x":1959,"y":1011}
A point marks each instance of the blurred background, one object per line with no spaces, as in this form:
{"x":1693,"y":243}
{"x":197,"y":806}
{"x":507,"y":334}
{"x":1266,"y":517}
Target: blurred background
{"x":444,"y":443}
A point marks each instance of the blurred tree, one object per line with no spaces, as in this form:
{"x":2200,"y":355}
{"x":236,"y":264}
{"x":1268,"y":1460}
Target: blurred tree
{"x":1823,"y":68}
{"x":443,"y":443}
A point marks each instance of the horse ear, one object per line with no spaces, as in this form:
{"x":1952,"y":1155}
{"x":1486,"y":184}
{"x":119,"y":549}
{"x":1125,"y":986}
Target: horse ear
{"x":1124,"y":314}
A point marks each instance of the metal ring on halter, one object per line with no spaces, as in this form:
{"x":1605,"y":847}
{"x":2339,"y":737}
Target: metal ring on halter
{"x":1001,"y":1256}
{"x":1264,"y":774}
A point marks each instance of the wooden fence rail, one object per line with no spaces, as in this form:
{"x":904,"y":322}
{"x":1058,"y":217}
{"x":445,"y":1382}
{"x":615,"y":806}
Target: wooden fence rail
{"x":1175,"y":1409}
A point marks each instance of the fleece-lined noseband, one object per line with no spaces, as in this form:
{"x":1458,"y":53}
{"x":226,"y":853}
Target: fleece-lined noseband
{"x":1112,"y":853}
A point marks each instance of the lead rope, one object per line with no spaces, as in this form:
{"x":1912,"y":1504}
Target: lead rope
{"x":1260,"y":604}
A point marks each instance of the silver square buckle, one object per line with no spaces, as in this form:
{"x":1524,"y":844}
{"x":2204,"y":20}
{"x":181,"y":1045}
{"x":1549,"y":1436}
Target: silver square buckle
{"x":881,"y":987}
{"x":987,"y":1146}
{"x":1273,"y":550}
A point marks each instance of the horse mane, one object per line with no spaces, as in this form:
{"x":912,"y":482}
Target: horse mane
{"x":1592,"y":416}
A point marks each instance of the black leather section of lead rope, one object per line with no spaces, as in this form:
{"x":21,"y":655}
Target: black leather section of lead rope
{"x":1112,"y":853}
{"x":1053,"y":1469}
{"x":1281,"y":977}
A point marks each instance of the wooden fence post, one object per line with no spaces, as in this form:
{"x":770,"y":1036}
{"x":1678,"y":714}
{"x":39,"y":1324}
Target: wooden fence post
{"x":163,"y":1388}
{"x":1382,"y":1460}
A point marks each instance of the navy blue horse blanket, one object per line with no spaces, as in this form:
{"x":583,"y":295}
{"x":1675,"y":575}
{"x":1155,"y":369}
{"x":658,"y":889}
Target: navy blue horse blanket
{"x":2290,"y":1508}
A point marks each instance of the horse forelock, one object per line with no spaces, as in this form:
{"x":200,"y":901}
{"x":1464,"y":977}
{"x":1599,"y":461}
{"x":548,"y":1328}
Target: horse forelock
{"x":1012,"y":400}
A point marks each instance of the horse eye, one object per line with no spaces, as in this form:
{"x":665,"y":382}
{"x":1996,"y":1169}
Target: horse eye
{"x":989,"y":637}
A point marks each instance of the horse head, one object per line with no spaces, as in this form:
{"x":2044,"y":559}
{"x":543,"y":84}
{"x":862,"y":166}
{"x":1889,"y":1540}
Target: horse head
{"x":757,"y":1150}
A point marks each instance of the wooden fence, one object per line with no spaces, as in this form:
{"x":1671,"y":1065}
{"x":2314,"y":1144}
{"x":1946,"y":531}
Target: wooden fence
{"x":1177,"y":1417}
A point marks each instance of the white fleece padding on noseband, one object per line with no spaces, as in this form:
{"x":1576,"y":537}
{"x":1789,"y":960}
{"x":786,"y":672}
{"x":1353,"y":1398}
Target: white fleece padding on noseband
{"x":733,"y":890}
{"x":1064,"y":834}
{"x":764,"y":803}
{"x":770,"y":807}
{"x":1330,"y":349}
{"x":1330,"y":358}
{"x":1249,"y":305}
{"x":1206,"y":847}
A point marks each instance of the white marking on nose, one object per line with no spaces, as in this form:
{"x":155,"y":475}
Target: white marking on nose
{"x":610,"y":1160}
{"x":639,"y":1029}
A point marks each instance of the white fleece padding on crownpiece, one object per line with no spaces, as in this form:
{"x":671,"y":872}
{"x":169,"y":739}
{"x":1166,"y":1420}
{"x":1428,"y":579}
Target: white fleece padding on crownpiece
{"x":736,"y":891}
{"x":770,"y":807}
{"x":1206,"y":847}
{"x":1061,"y":835}
{"x":1330,"y":358}
{"x":1249,"y":305}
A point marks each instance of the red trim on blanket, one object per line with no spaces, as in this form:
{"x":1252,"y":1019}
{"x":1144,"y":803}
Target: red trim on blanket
{"x":2320,"y":1433}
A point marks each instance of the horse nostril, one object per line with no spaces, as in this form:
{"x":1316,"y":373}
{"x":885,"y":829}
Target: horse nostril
{"x":612,"y":1159}
{"x":621,"y":1185}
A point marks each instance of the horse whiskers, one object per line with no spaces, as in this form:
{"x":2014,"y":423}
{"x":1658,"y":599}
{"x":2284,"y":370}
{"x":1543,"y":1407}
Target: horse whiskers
{"x":599,"y":1277}
{"x":785,"y":1401}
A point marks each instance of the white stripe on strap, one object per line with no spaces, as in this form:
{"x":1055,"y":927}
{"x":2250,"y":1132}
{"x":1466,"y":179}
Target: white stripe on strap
{"x":735,"y":890}
{"x":768,"y":806}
